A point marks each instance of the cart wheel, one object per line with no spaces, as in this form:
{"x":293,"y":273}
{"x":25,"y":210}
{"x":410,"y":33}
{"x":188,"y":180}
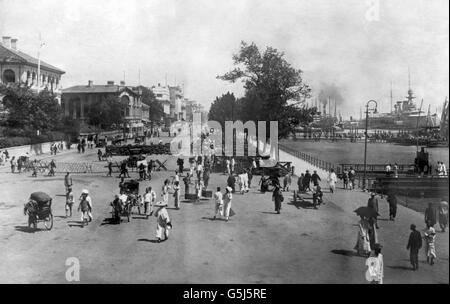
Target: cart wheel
{"x":48,"y":223}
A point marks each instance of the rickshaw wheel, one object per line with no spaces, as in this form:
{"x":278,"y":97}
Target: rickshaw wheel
{"x":48,"y":223}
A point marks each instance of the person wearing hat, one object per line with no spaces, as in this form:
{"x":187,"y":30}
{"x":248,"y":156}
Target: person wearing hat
{"x":85,"y":206}
{"x":430,"y":248}
{"x":149,"y":199}
{"x":373,"y":203}
{"x":227,"y":202}
{"x":307,"y":181}
{"x":414,"y":245}
{"x":69,"y":202}
{"x":163,"y":223}
{"x":277,"y":198}
{"x":392,"y":200}
{"x":375,"y":273}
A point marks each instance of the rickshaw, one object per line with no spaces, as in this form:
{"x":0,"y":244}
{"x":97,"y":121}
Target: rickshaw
{"x":39,"y":209}
{"x":130,"y":189}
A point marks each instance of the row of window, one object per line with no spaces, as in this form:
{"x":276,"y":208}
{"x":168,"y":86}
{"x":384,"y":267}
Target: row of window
{"x":10,"y":76}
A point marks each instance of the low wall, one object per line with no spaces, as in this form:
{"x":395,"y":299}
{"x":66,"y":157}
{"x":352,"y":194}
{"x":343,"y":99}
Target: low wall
{"x":32,"y":150}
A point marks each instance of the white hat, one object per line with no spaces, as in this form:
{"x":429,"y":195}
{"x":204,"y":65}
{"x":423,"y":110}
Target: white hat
{"x":229,"y":189}
{"x":160,"y":204}
{"x":85,"y":191}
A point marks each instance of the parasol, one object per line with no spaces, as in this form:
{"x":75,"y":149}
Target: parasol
{"x":366,"y":212}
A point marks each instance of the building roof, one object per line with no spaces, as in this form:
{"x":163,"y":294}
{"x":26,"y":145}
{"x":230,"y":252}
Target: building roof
{"x":9,"y":53}
{"x":100,"y":89}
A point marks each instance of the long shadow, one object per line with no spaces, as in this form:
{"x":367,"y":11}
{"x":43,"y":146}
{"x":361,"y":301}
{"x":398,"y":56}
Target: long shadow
{"x":147,"y":240}
{"x":265,"y":212}
{"x":26,"y":229}
{"x":142,"y":217}
{"x":400,"y":268}
{"x":79,"y":224}
{"x":60,"y":216}
{"x":109,"y":221}
{"x":302,"y":204}
{"x":212,"y":219}
{"x":345,"y":252}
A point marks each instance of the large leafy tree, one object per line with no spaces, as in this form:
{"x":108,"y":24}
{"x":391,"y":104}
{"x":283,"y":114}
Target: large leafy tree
{"x":156,"y":110}
{"x":107,"y":112}
{"x":225,"y":108}
{"x":30,"y":111}
{"x":274,"y":90}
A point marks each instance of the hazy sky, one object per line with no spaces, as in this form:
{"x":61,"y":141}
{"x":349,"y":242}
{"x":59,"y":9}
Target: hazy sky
{"x":344,"y":43}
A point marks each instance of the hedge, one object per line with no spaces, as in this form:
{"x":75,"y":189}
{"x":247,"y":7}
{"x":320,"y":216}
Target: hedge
{"x":8,"y":142}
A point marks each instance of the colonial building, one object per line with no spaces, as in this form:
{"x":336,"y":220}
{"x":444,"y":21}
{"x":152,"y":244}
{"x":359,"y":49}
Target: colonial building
{"x":177,"y":103}
{"x":77,"y":101}
{"x":18,"y":67}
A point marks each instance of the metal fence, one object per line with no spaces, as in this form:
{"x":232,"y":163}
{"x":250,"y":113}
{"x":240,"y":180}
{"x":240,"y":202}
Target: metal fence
{"x":317,"y":162}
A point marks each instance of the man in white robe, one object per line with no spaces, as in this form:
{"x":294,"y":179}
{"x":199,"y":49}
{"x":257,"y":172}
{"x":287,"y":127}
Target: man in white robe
{"x":163,"y":224}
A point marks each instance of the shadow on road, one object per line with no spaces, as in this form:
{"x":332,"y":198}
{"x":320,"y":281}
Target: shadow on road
{"x":302,"y":204}
{"x":147,"y":240}
{"x":345,"y":252}
{"x":26,"y":229}
{"x":79,"y":224}
{"x":400,"y":267}
{"x":265,"y":212}
{"x":212,"y":219}
{"x":109,"y":221}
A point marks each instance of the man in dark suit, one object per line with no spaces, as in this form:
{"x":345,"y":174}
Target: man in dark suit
{"x":373,"y":203}
{"x":414,"y":245}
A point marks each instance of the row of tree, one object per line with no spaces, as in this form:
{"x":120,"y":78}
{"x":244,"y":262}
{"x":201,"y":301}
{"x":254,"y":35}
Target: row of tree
{"x":274,"y":91}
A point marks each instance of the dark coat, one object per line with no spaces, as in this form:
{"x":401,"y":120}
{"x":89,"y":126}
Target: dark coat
{"x":415,"y":241}
{"x":373,"y":203}
{"x":430,"y":216}
{"x":315,"y":178}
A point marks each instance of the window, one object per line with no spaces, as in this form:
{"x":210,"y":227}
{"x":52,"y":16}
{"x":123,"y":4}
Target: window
{"x":9,"y":76}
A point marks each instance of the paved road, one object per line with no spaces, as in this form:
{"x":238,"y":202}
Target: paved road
{"x":256,"y":246}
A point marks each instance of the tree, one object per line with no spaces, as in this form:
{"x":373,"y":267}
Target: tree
{"x":274,"y":90}
{"x":30,"y":111}
{"x":156,"y":110}
{"x":107,"y":112}
{"x":224,"y":108}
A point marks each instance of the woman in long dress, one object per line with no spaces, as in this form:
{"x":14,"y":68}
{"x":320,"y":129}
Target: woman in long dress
{"x":363,"y":241}
{"x":227,"y":202}
{"x":163,"y":224}
{"x":176,"y":195}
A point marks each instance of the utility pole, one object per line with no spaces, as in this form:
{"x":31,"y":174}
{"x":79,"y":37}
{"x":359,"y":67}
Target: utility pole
{"x":41,"y":44}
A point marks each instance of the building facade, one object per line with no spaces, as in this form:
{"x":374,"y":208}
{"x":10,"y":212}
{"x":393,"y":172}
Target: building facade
{"x":20,"y":68}
{"x":77,"y":101}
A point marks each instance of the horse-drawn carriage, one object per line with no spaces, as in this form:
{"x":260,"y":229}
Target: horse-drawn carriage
{"x":39,"y":209}
{"x":129,"y":199}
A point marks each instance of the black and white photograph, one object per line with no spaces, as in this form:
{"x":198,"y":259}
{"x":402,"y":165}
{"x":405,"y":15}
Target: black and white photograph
{"x":222,"y":142}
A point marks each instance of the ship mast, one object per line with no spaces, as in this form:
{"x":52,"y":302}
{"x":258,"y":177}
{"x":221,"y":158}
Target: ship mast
{"x":417,"y":126}
{"x":391,"y":98}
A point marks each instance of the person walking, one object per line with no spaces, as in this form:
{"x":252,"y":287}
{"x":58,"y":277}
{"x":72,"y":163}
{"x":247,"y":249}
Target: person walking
{"x":227,"y":202}
{"x":277,"y":198}
{"x":68,"y":183}
{"x":307,"y":181}
{"x":218,"y":199}
{"x":231,"y":181}
{"x":163,"y":223}
{"x":149,"y":200}
{"x":206,"y":175}
{"x":250,"y":177}
{"x":99,"y":155}
{"x":315,"y":178}
{"x":345,"y":178}
{"x":124,"y":169}
{"x":69,"y":202}
{"x":13,"y":163}
{"x":233,"y":164}
{"x":85,"y":207}
{"x":110,"y":164}
{"x":392,"y":200}
{"x":176,"y":194}
{"x":443,"y":214}
{"x":352,"y":178}
{"x":430,"y":216}
{"x":414,"y":245}
{"x":300,"y":182}
{"x":430,"y":247}
{"x":165,"y":192}
{"x":287,"y":180}
{"x":228,"y":166}
{"x":373,"y":203}
{"x":362,"y":246}
{"x":332,"y":179}
{"x":375,"y":266}
{"x":52,"y":168}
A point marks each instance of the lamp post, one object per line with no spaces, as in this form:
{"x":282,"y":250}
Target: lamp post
{"x":365,"y":139}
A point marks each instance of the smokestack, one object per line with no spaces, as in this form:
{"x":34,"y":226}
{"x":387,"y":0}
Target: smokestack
{"x":90,"y":83}
{"x":6,"y":40}
{"x":14,"y":44}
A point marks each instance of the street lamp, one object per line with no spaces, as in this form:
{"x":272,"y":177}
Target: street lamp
{"x":365,"y":138}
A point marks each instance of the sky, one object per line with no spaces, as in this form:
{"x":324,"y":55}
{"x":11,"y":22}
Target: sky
{"x":356,"y":46}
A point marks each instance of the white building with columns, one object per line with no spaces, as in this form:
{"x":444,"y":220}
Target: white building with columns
{"x":21,"y":68}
